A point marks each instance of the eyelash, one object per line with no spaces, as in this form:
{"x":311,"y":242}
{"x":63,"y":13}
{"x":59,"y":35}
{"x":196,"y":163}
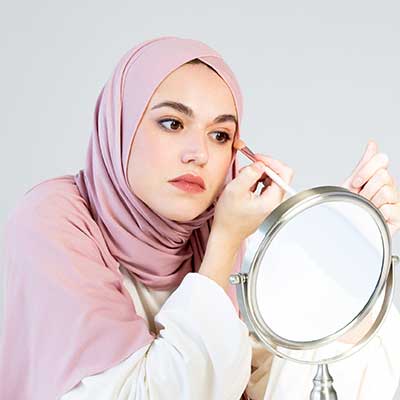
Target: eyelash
{"x":226,"y":134}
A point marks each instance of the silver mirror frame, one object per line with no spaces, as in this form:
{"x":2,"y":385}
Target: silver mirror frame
{"x":245,"y":281}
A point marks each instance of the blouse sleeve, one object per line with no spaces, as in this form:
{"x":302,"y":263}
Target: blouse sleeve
{"x":202,"y":352}
{"x":260,"y":369}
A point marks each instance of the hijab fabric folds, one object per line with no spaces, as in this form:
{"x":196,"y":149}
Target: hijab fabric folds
{"x":67,"y":314}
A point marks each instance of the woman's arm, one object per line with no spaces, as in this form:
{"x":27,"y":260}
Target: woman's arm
{"x":202,"y":352}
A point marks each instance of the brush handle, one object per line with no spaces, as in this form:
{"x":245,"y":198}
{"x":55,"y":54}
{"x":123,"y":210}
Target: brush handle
{"x":273,"y":175}
{"x":277,"y":179}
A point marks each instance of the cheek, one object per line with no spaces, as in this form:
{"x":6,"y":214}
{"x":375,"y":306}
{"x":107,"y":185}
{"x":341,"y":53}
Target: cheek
{"x":152,"y":148}
{"x":140,"y":159}
{"x":221,"y":163}
{"x":149,"y":164}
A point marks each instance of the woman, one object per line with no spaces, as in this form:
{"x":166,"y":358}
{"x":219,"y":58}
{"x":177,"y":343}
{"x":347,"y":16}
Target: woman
{"x":117,"y":278}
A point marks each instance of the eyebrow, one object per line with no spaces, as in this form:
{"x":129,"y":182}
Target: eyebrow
{"x":184,"y":109}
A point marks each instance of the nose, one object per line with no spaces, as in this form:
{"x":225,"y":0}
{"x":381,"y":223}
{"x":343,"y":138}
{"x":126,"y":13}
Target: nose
{"x":195,"y":149}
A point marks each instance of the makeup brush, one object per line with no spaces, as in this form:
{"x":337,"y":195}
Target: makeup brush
{"x":243,"y":148}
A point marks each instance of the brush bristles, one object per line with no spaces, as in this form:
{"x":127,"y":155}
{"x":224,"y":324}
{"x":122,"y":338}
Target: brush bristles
{"x":247,"y":152}
{"x":242,"y":147}
{"x":239,"y":144}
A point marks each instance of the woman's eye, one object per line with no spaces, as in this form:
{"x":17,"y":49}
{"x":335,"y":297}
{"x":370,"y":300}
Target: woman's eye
{"x":175,"y":123}
{"x":221,"y":137}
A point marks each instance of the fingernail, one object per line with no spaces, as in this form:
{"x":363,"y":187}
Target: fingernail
{"x":357,"y":182}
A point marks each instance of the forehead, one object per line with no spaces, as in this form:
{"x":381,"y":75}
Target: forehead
{"x":197,"y":86}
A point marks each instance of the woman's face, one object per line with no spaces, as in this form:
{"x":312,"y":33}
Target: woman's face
{"x":183,"y":139}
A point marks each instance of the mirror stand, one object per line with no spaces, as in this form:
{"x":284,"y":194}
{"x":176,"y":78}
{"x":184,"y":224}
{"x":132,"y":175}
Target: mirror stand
{"x":283,"y":317}
{"x":323,"y":385}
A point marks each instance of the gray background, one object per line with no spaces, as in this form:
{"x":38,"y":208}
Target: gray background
{"x":319,"y":79}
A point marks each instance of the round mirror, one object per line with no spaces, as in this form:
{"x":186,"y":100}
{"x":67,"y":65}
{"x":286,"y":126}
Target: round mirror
{"x":336,"y":266}
{"x":316,"y":281}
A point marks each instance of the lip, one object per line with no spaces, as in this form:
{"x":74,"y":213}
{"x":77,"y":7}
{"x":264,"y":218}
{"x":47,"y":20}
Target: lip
{"x":189,"y":183}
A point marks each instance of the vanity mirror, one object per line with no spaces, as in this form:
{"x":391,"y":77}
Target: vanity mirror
{"x":317,"y":279}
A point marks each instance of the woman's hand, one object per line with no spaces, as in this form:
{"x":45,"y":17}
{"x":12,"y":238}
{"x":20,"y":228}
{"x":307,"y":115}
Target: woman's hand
{"x":372,"y":180}
{"x":239,"y":211}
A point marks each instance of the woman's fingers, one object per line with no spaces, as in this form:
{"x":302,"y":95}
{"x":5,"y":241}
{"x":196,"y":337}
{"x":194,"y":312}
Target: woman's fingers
{"x":381,"y":178}
{"x":273,"y":194}
{"x":369,"y":152}
{"x":391,"y":212}
{"x":387,"y":194}
{"x":372,"y":180}
{"x":263,"y":179}
{"x":249,"y":176}
{"x":369,"y":169}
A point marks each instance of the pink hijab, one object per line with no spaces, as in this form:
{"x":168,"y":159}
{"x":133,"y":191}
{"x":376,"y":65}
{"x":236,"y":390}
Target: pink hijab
{"x":67,"y":314}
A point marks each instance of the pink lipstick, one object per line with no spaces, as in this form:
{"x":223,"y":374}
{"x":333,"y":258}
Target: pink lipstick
{"x":189,"y":183}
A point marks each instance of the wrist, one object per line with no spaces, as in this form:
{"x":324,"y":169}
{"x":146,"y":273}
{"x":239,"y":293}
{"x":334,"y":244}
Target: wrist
{"x":224,"y":239}
{"x":219,"y":258}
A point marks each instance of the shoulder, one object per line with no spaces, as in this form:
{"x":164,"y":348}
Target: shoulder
{"x":52,"y":209}
{"x":55,"y":195}
{"x":56,"y":198}
{"x":52,"y":225}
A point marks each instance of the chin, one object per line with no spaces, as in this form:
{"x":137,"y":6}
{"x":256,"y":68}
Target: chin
{"x":181,"y":214}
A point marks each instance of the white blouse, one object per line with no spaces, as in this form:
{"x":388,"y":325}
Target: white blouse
{"x":203,"y":351}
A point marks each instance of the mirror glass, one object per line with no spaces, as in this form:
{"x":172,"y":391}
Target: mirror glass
{"x":318,"y":271}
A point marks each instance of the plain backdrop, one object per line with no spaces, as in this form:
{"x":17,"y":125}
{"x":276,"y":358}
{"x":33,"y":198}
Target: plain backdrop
{"x":319,"y":79}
